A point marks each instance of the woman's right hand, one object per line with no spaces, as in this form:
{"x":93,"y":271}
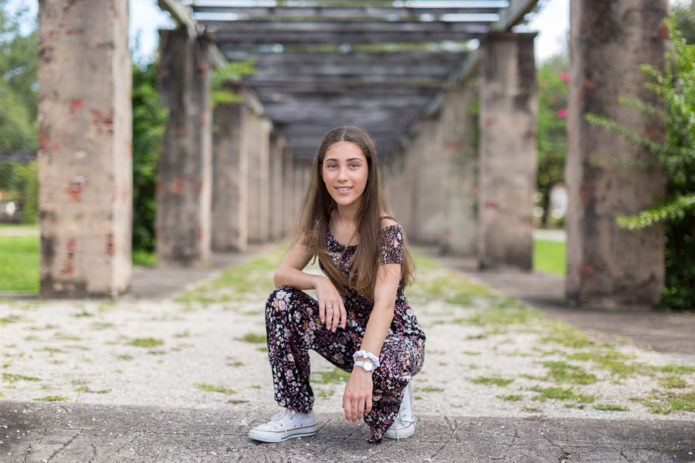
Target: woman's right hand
{"x":331,"y":308}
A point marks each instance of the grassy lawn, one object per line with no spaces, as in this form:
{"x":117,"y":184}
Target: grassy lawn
{"x":549,"y":256}
{"x":19,"y":260}
{"x":19,"y":263}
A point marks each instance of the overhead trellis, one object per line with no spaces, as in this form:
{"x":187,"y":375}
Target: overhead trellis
{"x":378,"y":64}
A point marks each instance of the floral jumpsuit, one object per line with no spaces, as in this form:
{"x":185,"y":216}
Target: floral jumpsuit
{"x":293,"y":327}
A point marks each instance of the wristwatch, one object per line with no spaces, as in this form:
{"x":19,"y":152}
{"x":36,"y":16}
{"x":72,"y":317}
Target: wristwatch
{"x":366,"y":365}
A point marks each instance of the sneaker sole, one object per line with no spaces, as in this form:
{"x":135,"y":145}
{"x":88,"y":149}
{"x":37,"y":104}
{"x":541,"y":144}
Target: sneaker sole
{"x":281,"y":436}
{"x":401,"y":433}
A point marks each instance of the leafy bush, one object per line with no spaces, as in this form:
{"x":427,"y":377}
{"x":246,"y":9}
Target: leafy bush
{"x":675,"y":88}
{"x":149,"y":119}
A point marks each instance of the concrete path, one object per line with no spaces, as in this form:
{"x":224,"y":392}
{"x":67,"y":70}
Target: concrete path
{"x":661,"y":331}
{"x":79,"y":432}
{"x":93,"y":433}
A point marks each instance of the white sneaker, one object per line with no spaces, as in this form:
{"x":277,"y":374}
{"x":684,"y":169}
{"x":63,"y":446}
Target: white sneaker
{"x":285,"y":425}
{"x":404,"y":424}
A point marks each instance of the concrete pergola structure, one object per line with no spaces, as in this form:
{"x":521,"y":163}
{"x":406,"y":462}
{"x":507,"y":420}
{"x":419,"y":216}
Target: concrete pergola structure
{"x":455,"y":177}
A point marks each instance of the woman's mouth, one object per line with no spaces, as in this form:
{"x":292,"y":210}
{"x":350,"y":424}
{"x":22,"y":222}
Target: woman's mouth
{"x":343,"y":189}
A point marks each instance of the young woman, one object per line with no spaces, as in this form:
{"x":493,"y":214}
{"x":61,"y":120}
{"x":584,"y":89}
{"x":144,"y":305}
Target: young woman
{"x":360,"y":320}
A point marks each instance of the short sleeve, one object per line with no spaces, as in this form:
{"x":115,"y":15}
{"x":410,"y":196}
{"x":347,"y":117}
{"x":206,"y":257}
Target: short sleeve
{"x":391,"y":245}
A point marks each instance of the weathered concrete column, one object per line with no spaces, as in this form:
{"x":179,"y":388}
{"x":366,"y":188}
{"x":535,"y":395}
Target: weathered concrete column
{"x":185,"y":165}
{"x":85,"y":139}
{"x":288,"y":213}
{"x":459,"y":156}
{"x":429,"y":198}
{"x":229,"y":178}
{"x":277,"y":199}
{"x":257,"y":141}
{"x":507,"y":179}
{"x":608,"y":266}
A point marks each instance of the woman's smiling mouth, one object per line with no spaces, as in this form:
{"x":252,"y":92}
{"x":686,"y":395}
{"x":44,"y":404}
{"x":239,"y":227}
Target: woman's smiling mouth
{"x":343,"y":189}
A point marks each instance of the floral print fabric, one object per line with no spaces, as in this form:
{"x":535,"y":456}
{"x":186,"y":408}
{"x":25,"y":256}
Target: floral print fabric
{"x":293,"y":328}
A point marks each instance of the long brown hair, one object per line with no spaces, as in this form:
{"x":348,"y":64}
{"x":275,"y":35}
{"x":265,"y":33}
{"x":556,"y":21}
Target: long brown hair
{"x":318,"y":206}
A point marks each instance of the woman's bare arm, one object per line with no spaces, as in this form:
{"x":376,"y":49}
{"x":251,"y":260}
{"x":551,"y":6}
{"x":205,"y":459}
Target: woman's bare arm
{"x":289,"y":273}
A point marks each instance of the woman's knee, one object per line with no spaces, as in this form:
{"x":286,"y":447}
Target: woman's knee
{"x":280,"y":299}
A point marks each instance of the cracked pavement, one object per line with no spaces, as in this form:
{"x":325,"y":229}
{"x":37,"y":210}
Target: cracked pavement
{"x":35,"y":432}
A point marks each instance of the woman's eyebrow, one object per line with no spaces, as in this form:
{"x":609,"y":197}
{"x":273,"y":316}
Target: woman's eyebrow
{"x":347,"y":160}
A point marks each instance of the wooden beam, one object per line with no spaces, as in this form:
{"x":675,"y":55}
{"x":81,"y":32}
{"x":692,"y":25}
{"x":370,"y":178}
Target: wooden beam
{"x":298,"y":27}
{"x":513,"y":14}
{"x":346,"y":13}
{"x":509,"y":17}
{"x":247,"y":39}
{"x":181,"y":14}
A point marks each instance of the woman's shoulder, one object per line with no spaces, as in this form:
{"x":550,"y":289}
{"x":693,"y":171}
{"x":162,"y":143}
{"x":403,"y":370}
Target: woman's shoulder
{"x":388,"y":221}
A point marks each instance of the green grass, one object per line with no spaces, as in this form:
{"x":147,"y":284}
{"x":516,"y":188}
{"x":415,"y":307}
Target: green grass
{"x":212,"y":388}
{"x":19,"y":263}
{"x":253,"y":338}
{"x":501,"y":382}
{"x":611,"y":408}
{"x":19,"y":260}
{"x":558,"y":393}
{"x":52,"y":398}
{"x":334,"y":376}
{"x":549,"y":256}
{"x":146,"y":342}
{"x":563,"y":372}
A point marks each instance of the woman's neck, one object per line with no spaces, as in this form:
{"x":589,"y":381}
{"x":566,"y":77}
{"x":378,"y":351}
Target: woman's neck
{"x":347,"y":215}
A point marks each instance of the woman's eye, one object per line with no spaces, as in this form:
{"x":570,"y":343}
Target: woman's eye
{"x":354,"y":166}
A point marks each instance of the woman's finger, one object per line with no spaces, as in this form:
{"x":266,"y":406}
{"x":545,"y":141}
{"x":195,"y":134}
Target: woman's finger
{"x":336,"y":317}
{"x":368,"y":405}
{"x":322,"y":310}
{"x":330,"y":313}
{"x":343,"y":315}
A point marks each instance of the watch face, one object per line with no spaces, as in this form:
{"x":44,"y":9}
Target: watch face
{"x":368,"y":366}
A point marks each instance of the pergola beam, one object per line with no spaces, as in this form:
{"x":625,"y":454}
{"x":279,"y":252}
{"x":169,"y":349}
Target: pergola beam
{"x":509,"y":17}
{"x":336,"y":12}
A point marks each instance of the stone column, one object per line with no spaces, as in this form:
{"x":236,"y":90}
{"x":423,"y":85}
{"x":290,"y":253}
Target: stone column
{"x":85,"y":148}
{"x":288,"y":213}
{"x":606,"y":177}
{"x":257,"y":140}
{"x":411,"y":177}
{"x":429,"y":199}
{"x":459,"y":156}
{"x":229,"y":178}
{"x":185,"y":165}
{"x":277,"y":202}
{"x":507,"y":180}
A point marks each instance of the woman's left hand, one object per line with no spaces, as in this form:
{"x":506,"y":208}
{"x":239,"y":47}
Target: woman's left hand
{"x":357,"y":399}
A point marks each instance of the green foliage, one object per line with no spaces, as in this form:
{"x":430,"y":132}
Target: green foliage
{"x":149,"y":123}
{"x":18,"y":85}
{"x":684,"y":15}
{"x":550,"y":135}
{"x":20,"y":182}
{"x":232,"y":72}
{"x":675,"y":155}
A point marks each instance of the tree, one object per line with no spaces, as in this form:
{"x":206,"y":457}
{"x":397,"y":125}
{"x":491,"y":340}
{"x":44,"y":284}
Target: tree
{"x":149,"y":123}
{"x":551,"y":137}
{"x":685,"y":20}
{"x":18,"y":86}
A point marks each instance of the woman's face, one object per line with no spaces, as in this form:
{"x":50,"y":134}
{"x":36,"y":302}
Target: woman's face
{"x":345,"y":172}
